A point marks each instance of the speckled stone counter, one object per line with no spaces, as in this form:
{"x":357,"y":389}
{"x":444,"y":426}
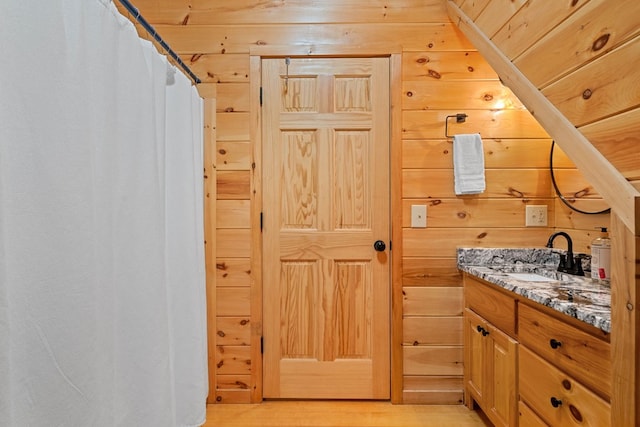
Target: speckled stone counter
{"x":518,"y":270}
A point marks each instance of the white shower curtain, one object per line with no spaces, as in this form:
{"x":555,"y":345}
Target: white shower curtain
{"x":102,"y":294}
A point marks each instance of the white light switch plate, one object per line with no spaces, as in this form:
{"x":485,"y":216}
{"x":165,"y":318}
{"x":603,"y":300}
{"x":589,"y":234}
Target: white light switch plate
{"x":536,"y":216}
{"x":418,"y":216}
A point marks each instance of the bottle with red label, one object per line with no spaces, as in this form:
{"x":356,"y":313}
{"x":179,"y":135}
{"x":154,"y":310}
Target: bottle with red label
{"x":601,"y":258}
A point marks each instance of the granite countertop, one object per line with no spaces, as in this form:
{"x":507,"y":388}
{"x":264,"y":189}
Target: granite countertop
{"x":531,"y":273}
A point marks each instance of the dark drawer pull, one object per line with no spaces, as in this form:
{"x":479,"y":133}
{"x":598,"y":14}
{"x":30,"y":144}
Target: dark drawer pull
{"x":482,"y":330}
{"x":554,"y":343}
{"x":555,"y":402}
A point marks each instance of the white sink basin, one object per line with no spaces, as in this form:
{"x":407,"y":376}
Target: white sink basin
{"x":530,"y":277}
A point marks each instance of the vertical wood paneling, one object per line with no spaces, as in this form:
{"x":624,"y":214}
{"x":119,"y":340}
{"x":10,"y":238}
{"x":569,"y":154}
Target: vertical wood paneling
{"x":397,"y":356}
{"x":208,"y":92}
{"x":625,"y":282}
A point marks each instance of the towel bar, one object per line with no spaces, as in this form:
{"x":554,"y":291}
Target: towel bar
{"x":460,"y":118}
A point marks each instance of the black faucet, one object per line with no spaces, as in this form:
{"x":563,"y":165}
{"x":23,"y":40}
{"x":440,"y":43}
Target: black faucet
{"x":568,"y":264}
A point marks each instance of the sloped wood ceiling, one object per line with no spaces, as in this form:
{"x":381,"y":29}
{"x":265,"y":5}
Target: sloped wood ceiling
{"x":583,"y":56}
{"x":574,"y":61}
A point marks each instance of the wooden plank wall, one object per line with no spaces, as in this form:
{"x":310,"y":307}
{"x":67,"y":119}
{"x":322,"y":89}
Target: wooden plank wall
{"x":594,"y":88}
{"x":442,"y":74}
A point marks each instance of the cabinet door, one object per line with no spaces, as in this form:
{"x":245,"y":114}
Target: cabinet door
{"x":528,"y":418}
{"x":501,"y":381}
{"x":474,"y":357}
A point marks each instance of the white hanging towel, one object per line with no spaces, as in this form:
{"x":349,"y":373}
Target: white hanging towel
{"x":468,"y":164}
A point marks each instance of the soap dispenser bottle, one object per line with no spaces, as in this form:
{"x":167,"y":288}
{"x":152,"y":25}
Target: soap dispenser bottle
{"x":601,"y":258}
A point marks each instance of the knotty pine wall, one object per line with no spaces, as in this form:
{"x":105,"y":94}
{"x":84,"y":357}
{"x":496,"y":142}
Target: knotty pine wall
{"x":442,"y":74}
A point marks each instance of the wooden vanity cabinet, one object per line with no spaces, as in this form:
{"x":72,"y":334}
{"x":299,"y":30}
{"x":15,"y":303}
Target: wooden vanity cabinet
{"x":528,"y":365}
{"x":491,"y":356}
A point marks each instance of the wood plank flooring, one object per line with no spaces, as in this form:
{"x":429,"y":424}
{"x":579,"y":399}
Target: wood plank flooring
{"x":340,"y":414}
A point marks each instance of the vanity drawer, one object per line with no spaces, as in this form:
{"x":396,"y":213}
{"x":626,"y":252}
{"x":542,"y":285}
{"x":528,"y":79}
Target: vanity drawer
{"x":558,"y":398}
{"x":583,"y":356}
{"x":496,"y":307}
{"x":528,"y":418}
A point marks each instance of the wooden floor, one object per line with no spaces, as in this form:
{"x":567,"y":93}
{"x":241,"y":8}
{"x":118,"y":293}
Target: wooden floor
{"x":340,"y":414}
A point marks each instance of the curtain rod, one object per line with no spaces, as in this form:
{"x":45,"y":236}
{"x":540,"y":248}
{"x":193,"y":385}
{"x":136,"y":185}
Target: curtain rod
{"x":140,"y":19}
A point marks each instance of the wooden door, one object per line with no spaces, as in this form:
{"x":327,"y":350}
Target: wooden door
{"x":326,"y":291}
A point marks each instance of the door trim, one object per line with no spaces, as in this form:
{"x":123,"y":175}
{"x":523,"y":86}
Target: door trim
{"x":395,"y":143}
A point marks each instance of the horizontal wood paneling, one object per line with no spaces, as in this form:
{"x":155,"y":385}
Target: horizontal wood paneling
{"x":233,"y":331}
{"x":419,"y":382}
{"x":438,"y":242}
{"x":238,"y":39}
{"x":445,"y":66}
{"x":573,"y":185}
{"x":500,"y":183}
{"x":432,"y":397}
{"x":219,"y":68}
{"x":232,"y":126}
{"x":233,"y":214}
{"x":233,"y":272}
{"x":234,"y":382}
{"x":438,"y":272}
{"x":233,"y":243}
{"x":232,"y":302}
{"x":233,"y":396}
{"x":490,"y":124}
{"x":233,"y":185}
{"x":432,"y":330}
{"x":433,"y":360}
{"x":232,"y":360}
{"x":475,"y":212}
{"x":570,"y":219}
{"x":233,"y":97}
{"x":432,"y":390}
{"x":432,"y":301}
{"x":498,"y":154}
{"x":199,"y":12}
{"x":430,"y":95}
{"x":233,"y":155}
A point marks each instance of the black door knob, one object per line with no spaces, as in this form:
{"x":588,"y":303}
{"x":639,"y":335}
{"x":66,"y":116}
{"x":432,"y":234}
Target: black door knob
{"x":555,"y":402}
{"x":379,"y":246}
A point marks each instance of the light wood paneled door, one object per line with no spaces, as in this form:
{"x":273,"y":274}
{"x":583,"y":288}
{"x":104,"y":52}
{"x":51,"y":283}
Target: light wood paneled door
{"x":326,"y":290}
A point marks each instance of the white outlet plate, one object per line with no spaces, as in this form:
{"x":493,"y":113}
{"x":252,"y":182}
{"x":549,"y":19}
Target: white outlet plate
{"x":419,"y":216}
{"x":536,"y":216}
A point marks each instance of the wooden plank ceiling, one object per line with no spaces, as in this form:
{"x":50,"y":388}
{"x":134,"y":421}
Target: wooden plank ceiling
{"x":582,"y":55}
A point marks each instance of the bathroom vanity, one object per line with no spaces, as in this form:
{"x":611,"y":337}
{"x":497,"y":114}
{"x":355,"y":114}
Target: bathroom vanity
{"x":537,"y":349}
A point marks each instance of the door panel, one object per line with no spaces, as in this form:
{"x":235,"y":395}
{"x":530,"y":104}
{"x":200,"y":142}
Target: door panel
{"x":326,"y":201}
